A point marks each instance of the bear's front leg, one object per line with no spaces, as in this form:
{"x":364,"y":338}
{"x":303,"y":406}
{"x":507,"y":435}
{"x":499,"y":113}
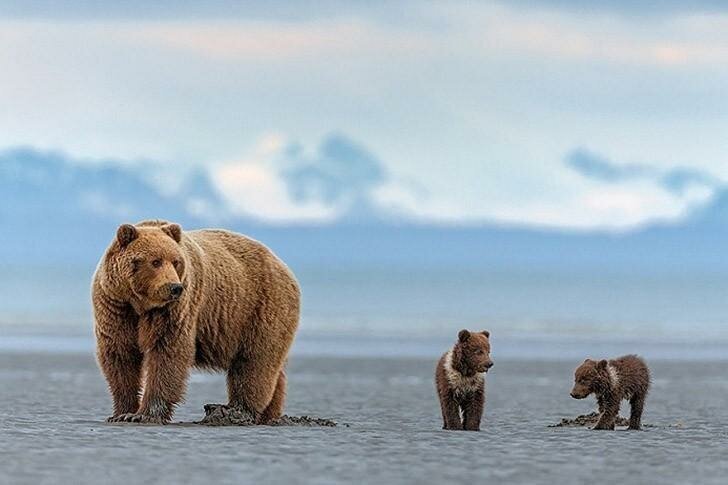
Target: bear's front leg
{"x":473,"y":412}
{"x":168,"y":355}
{"x":600,"y":405}
{"x":118,"y":352}
{"x":451,"y":413}
{"x":608,"y":417}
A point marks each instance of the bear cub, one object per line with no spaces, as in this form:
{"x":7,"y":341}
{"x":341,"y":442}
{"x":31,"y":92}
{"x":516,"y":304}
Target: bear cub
{"x":460,"y":382}
{"x":611,"y":381}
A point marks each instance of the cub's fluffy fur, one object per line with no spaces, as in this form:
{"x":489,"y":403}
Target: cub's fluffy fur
{"x":611,"y":381}
{"x":460,"y":382}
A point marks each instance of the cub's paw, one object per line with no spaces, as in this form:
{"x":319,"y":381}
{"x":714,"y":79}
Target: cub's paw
{"x":136,"y":418}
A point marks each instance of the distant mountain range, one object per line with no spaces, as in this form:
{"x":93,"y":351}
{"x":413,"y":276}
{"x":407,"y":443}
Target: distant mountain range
{"x":53,"y":209}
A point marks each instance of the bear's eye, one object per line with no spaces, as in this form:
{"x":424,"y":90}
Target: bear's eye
{"x":157,"y":263}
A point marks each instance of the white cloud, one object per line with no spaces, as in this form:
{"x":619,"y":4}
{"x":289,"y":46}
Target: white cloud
{"x":636,"y":204}
{"x":252,"y":186}
{"x":254,"y":190}
{"x":583,"y":205}
{"x":266,"y":184}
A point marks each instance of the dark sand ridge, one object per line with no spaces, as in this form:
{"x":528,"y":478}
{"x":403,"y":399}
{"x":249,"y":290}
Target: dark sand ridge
{"x":592,"y":418}
{"x":587,"y":420}
{"x":224,"y":415}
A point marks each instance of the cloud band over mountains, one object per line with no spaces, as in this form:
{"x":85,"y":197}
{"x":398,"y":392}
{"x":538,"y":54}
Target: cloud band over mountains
{"x":282,"y":182}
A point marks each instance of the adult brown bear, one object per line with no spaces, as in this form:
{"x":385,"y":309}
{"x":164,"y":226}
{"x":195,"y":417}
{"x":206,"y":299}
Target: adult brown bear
{"x":166,"y":300}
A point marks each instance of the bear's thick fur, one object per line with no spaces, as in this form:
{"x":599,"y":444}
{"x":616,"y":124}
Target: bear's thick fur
{"x":166,"y":300}
{"x":626,"y":377}
{"x":460,"y":382}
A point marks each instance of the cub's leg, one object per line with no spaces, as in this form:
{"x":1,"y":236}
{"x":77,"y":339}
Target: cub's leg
{"x":609,"y":416}
{"x":637,"y":404}
{"x":443,"y":410}
{"x":600,"y":404}
{"x":473,"y":412}
{"x":450,"y":412}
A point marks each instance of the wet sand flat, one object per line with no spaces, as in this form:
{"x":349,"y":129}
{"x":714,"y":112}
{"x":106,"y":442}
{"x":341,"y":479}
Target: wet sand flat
{"x":52,"y":430}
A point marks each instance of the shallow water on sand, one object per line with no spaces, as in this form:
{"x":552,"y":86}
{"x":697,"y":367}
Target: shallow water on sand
{"x":52,"y":408}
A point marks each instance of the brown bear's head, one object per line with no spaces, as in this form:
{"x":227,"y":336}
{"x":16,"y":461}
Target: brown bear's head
{"x":146,"y":260}
{"x":591,"y":376}
{"x":471,"y":353}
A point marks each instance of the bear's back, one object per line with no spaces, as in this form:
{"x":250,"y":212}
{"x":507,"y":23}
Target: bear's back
{"x":220,"y":245}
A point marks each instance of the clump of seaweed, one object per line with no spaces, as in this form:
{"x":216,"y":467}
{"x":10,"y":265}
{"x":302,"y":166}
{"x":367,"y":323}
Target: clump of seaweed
{"x":224,"y":415}
{"x":586,"y":420}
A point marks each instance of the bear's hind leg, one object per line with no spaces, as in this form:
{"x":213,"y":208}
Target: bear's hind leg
{"x":254,"y":375}
{"x":251,"y":385}
{"x":637,"y":404}
{"x":275,"y":406}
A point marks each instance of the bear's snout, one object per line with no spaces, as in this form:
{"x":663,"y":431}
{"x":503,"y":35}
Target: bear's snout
{"x":175,"y":290}
{"x":488,"y":365}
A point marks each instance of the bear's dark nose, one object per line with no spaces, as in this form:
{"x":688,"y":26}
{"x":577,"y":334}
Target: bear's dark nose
{"x":488,"y":365}
{"x":175,"y":290}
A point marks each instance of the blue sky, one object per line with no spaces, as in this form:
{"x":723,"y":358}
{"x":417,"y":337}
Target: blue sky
{"x":561,"y":114}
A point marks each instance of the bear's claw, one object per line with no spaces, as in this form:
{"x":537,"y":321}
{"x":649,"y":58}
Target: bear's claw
{"x":136,"y":418}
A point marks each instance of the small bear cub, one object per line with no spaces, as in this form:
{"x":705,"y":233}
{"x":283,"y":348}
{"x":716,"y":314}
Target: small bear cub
{"x":460,"y":382}
{"x":611,"y":381}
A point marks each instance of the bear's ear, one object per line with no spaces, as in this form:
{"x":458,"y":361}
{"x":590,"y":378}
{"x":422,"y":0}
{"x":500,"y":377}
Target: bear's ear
{"x":174,"y":231}
{"x":602,"y":364}
{"x":463,"y":335}
{"x":126,"y":234}
{"x":486,"y":333}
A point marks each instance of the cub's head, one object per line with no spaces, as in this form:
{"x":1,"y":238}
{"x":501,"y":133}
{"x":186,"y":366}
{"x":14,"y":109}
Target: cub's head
{"x":147,"y":260}
{"x":473,"y":349}
{"x":589,"y":377}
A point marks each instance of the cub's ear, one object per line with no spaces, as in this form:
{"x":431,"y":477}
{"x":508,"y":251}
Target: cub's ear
{"x":126,"y":234}
{"x":602,"y":364}
{"x":463,"y":335}
{"x":486,"y":333}
{"x":174,"y":231}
